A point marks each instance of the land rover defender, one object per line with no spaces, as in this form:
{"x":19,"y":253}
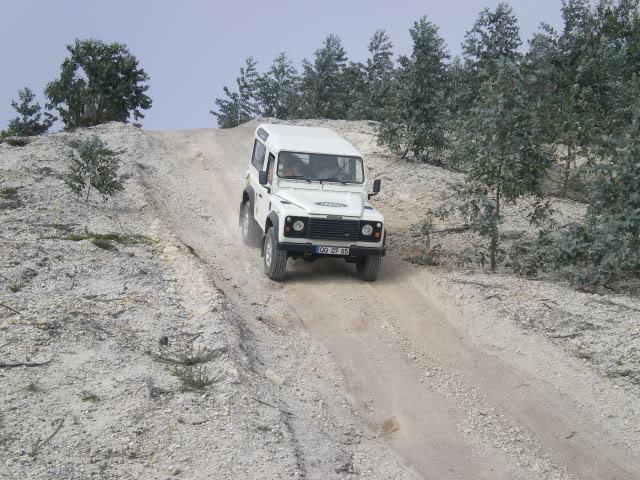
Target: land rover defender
{"x":306,"y":197}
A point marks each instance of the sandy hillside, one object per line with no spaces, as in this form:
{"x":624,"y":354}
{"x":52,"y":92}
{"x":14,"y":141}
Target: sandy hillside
{"x":430,"y":372}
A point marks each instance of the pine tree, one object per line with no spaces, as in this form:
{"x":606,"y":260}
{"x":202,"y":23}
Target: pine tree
{"x":278,"y":89}
{"x":248,"y":89}
{"x":354,"y":77}
{"x":228,"y":113}
{"x":242,"y":105}
{"x":323,"y":88}
{"x":28,"y":122}
{"x":413,"y":120}
{"x":379,"y":76}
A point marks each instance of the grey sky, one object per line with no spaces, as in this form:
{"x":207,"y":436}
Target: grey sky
{"x":190,"y":49}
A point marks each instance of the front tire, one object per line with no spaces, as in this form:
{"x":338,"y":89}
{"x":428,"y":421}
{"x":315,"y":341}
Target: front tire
{"x":367,"y":267}
{"x":250,"y":229}
{"x":275,"y":261}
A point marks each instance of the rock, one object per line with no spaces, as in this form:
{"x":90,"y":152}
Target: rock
{"x":28,"y":274}
{"x":271,"y":375}
{"x":170,"y":250}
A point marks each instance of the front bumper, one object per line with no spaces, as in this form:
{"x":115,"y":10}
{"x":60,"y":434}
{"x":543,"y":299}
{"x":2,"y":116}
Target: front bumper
{"x":311,"y":249}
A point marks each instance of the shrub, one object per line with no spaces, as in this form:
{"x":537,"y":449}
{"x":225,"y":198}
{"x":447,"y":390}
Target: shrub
{"x":95,"y":166}
{"x":605,"y":245}
{"x":16,"y":141}
{"x":195,"y":379}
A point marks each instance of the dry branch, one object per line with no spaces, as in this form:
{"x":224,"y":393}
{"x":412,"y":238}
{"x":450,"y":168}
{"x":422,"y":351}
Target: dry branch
{"x":23,"y":364}
{"x":9,"y":308}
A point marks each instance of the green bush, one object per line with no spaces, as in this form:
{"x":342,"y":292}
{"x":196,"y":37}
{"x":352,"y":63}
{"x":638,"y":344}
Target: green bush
{"x":95,"y":166}
{"x":605,"y":245}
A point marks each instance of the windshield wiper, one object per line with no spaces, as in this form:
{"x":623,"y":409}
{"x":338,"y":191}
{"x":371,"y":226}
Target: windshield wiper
{"x":295,"y":177}
{"x":331,"y":180}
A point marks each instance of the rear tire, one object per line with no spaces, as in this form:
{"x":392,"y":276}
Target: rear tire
{"x":275,"y":261}
{"x":367,"y":267}
{"x":251,"y":231}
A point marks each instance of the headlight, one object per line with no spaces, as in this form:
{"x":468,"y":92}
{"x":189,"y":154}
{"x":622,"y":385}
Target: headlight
{"x":298,"y":225}
{"x":367,"y":229}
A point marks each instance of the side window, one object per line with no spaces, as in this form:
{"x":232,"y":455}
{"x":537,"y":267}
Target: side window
{"x":257,"y":160}
{"x":270,"y":167}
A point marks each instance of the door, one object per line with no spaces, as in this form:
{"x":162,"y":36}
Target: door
{"x":264,"y":194}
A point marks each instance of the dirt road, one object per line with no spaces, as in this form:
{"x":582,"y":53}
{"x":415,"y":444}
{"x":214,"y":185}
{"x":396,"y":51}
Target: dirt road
{"x":453,"y":391}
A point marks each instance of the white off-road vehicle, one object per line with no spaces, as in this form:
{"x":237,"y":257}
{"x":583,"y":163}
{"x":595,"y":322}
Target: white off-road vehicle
{"x":306,"y":197}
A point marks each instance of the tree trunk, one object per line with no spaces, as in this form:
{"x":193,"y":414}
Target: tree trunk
{"x":89,"y":185}
{"x":493,"y":248}
{"x":567,"y":168}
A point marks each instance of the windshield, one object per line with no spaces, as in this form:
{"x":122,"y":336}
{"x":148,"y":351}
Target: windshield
{"x":319,"y":167}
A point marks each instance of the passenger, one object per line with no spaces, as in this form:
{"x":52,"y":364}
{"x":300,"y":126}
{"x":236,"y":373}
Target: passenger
{"x":290,"y":165}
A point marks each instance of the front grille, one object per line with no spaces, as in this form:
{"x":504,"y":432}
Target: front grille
{"x":333,"y":229}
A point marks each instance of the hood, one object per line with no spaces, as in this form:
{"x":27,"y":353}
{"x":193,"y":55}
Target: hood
{"x":323,"y":202}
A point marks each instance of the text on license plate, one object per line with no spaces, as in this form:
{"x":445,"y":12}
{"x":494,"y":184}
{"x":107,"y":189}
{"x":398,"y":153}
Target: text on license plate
{"x":333,"y":250}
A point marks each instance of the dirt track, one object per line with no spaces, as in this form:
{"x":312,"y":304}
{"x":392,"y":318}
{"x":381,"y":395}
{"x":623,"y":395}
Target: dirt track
{"x":455,"y":392}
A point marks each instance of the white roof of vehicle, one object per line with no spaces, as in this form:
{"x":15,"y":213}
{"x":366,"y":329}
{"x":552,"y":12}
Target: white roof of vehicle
{"x":292,"y":138}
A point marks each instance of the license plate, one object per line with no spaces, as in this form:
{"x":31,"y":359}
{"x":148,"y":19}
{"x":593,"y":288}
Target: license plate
{"x":333,"y":250}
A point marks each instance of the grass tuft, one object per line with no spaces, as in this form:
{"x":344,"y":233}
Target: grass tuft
{"x":104,"y":240}
{"x":40,"y":443}
{"x":195,"y":379}
{"x":33,"y":388}
{"x":14,"y":287}
{"x":103,"y":244}
{"x":8,"y":193}
{"x":189,"y":359}
{"x":87,"y":396}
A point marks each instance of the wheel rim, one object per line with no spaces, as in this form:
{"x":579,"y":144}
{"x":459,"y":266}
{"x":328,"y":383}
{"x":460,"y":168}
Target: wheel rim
{"x":245,"y":223}
{"x":267,"y":252}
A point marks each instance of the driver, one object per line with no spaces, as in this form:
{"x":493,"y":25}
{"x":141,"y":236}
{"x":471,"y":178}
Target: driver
{"x":291,"y":165}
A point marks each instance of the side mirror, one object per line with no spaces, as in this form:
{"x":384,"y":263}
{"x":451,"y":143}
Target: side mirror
{"x":262,"y":177}
{"x":376,"y":188}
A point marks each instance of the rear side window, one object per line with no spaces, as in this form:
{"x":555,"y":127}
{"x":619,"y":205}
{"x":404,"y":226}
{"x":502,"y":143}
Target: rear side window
{"x":257,"y":160}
